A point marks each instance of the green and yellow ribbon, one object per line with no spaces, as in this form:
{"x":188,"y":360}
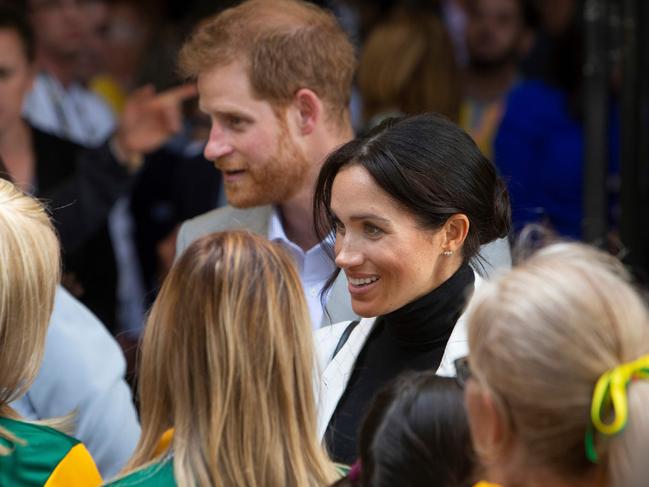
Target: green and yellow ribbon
{"x":610,"y":399}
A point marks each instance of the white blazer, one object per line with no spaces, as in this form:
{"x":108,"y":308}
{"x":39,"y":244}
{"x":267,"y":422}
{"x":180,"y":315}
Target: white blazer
{"x":335,"y":373}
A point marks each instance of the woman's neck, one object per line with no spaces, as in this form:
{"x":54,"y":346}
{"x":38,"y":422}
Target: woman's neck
{"x":17,"y":153}
{"x":428,"y":321}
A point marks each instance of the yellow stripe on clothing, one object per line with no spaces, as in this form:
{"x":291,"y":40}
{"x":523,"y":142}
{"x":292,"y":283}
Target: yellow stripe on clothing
{"x":163,"y":444}
{"x":77,"y":469}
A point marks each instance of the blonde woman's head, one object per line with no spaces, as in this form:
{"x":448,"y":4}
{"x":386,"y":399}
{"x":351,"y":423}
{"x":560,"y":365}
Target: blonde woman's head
{"x":227,"y":361}
{"x":540,"y":337}
{"x":29,"y":273}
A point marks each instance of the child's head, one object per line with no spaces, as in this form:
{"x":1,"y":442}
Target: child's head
{"x":416,"y":434}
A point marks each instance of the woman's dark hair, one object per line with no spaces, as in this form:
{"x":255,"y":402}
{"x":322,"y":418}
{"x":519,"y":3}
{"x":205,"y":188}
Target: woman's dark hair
{"x":432,"y":169}
{"x":415,"y":434}
{"x":14,"y":18}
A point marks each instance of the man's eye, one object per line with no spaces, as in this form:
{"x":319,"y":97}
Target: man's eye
{"x":235,"y":122}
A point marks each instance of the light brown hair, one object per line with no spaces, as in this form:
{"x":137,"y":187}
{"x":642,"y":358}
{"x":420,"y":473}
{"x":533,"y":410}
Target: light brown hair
{"x":29,"y":274}
{"x":227,"y":361}
{"x":407,"y":65}
{"x":286,"y":44}
{"x":539,"y":338}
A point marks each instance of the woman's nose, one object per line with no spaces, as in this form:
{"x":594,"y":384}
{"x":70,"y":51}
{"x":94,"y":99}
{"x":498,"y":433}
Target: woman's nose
{"x":347,"y":254}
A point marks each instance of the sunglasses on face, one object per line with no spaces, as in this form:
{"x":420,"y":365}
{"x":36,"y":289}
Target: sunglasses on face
{"x":462,"y":371}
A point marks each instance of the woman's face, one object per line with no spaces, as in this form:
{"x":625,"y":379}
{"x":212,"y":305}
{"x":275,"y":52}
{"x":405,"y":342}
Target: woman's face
{"x":16,"y":76}
{"x":388,"y":259}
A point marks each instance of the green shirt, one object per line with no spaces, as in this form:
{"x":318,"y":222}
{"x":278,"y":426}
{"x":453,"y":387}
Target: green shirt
{"x":43,"y":456}
{"x":159,"y":474}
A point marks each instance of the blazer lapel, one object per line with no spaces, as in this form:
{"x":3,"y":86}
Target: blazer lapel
{"x":336,"y":375}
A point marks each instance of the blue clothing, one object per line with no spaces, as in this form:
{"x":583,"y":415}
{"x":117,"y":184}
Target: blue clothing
{"x":83,"y":372}
{"x":539,"y":151}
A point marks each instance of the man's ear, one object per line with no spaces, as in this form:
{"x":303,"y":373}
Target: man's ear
{"x":308,"y":110}
{"x":455,"y":231}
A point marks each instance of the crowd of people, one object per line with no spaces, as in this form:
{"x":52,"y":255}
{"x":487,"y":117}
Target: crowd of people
{"x":334,"y":302}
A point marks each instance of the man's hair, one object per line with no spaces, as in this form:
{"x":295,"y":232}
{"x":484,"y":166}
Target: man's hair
{"x":287,"y":45}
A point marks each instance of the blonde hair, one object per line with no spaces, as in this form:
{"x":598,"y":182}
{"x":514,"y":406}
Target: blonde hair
{"x":227,"y":361}
{"x":407,"y":65}
{"x":29,"y":274}
{"x":286,"y":45}
{"x":540,"y":337}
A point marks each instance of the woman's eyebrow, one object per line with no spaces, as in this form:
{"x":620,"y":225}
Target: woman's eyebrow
{"x":369,"y":216}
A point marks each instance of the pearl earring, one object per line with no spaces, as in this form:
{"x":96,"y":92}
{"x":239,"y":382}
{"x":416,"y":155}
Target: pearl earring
{"x":447,"y":252}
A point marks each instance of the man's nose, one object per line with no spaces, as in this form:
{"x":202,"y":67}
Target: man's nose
{"x":217,"y":144}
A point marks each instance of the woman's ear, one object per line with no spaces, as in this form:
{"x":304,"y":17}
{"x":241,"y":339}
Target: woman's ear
{"x":455,"y":231}
{"x":309,"y":110}
{"x":489,"y":428}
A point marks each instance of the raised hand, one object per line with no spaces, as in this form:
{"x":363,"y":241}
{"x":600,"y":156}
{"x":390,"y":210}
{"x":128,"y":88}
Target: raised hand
{"x":148,"y":120}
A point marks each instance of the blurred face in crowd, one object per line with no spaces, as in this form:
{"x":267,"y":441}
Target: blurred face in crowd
{"x":16,"y":77}
{"x":494,"y":32}
{"x":249,"y":140}
{"x":388,"y":259}
{"x":127,"y":37}
{"x":93,"y":52}
{"x":59,"y":26}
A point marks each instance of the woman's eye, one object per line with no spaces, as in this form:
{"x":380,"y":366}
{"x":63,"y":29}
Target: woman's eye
{"x":372,"y":230}
{"x":339,"y":227}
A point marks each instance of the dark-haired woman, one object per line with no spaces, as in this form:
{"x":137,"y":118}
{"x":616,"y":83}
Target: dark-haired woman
{"x":410,"y":205}
{"x":425,"y":415}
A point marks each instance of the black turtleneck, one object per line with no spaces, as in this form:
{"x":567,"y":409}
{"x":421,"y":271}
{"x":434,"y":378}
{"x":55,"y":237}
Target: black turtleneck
{"x":411,"y":338}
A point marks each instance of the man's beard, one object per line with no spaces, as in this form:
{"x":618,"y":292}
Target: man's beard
{"x":280,"y":179}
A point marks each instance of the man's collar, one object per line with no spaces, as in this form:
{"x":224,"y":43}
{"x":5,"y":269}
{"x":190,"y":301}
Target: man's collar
{"x":275,"y":228}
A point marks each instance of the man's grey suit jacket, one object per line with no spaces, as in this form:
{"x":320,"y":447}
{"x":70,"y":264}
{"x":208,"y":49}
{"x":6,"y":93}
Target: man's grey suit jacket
{"x":257,"y":220}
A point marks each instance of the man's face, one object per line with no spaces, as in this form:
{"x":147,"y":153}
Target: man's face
{"x":494,"y":31}
{"x":59,"y":25}
{"x":250,"y":143}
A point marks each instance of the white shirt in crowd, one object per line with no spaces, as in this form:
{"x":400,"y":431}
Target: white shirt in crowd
{"x":74,"y":112}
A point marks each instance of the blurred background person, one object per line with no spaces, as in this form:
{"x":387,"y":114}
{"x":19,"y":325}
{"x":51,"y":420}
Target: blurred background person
{"x":127,"y":32}
{"x":559,"y":364}
{"x":58,"y":102}
{"x":62,"y":172}
{"x":94,"y":50}
{"x":499,"y":33}
{"x":81,"y":185}
{"x":539,"y":147}
{"x":227,"y":364}
{"x":407,"y":66}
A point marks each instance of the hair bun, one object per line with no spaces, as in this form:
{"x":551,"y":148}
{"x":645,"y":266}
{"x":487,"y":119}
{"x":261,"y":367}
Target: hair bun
{"x":502,"y":212}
